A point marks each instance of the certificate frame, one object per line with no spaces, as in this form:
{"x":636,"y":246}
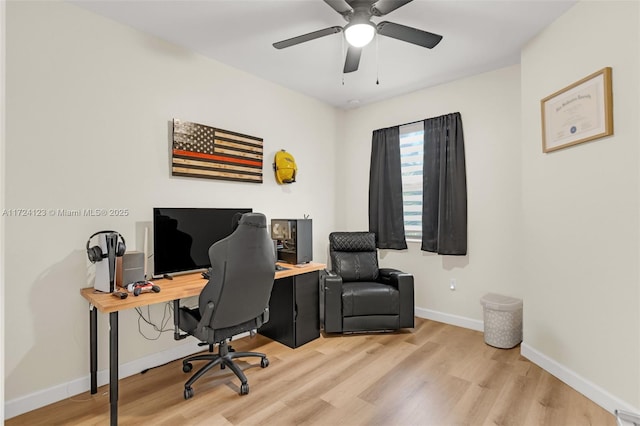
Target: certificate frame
{"x":581,"y":112}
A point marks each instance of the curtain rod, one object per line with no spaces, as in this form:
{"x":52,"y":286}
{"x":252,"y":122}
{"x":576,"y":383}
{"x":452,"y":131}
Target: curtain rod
{"x":399,"y":125}
{"x":417,"y":121}
{"x":413,"y":122}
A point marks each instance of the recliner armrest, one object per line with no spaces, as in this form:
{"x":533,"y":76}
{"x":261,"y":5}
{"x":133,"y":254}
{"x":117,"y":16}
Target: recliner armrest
{"x":404,"y":283}
{"x":331,"y":302}
{"x":392,"y":276}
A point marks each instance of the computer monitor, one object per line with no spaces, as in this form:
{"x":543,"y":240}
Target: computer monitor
{"x":182,"y":236}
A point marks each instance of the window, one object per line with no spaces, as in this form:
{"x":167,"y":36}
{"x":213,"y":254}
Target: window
{"x":411,"y":160}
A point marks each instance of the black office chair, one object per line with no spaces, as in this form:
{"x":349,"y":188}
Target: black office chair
{"x":356,"y":295}
{"x":235,"y":300}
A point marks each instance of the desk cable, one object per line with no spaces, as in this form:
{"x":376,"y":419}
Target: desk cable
{"x":166,"y":317}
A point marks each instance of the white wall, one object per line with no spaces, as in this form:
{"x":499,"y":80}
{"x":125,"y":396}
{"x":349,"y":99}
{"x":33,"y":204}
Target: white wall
{"x":83,"y":92}
{"x":2,"y":179}
{"x":581,"y":206}
{"x":490,"y":107}
{"x":88,"y":108}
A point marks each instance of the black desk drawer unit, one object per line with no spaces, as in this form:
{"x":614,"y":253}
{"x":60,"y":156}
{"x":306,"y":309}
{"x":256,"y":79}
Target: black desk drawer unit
{"x":294,"y":313}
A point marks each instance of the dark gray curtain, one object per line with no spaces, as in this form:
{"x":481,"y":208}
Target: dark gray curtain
{"x":444,"y":197}
{"x":385,"y":190}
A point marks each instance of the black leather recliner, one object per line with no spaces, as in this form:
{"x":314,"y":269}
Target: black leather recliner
{"x":356,"y":295}
{"x":235,"y":300}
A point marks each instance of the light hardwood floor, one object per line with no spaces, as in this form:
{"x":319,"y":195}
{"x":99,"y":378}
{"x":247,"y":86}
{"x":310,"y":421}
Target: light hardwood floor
{"x":435,"y":374}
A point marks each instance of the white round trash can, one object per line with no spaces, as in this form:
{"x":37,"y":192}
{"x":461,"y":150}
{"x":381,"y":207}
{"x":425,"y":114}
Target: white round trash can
{"x":502,"y":320}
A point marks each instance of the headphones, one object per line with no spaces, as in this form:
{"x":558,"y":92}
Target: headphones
{"x":95,"y":253}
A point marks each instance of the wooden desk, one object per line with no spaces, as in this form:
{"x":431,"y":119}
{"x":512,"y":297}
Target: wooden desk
{"x":180,"y":287}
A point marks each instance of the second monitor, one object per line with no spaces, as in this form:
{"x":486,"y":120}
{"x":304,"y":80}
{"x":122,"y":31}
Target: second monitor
{"x":293,"y":240}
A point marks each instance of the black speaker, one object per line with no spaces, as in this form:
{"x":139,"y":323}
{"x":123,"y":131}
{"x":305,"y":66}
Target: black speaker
{"x":130,"y":268}
{"x":294,"y":240}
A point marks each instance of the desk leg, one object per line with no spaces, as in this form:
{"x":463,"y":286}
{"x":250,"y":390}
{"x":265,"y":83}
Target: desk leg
{"x":176,"y":319}
{"x":113,"y":366}
{"x":93,"y":348}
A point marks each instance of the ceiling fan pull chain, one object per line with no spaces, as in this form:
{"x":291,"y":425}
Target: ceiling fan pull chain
{"x":377,"y":62}
{"x":342,"y":54}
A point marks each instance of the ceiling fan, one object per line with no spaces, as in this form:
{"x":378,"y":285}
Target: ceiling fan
{"x":360,"y":30}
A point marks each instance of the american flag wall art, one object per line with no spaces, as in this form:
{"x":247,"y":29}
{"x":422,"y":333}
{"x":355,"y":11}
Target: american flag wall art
{"x":207,"y":152}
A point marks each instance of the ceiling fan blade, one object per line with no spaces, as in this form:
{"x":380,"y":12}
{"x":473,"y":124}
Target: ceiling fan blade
{"x":409,"y":34}
{"x":306,"y":37}
{"x":353,"y":59}
{"x":340,"y":6}
{"x":382,"y":7}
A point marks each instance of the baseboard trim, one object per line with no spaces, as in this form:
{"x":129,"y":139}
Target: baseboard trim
{"x":57,"y":393}
{"x":450,"y":319}
{"x":592,"y":391}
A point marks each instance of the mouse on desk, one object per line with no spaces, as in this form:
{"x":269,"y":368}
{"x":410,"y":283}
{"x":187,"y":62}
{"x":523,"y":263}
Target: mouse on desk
{"x":207,"y":274}
{"x":280,"y":268}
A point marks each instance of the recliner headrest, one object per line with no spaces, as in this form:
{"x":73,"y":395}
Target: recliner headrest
{"x":352,"y":241}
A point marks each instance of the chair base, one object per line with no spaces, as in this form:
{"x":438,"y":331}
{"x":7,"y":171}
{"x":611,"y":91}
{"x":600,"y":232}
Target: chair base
{"x":224,"y":358}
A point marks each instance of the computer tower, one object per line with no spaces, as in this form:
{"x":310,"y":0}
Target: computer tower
{"x":293,"y":240}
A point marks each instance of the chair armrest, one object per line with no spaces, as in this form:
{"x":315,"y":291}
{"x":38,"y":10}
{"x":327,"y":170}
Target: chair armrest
{"x":203,"y":331}
{"x":404,"y":283}
{"x":331,"y":302}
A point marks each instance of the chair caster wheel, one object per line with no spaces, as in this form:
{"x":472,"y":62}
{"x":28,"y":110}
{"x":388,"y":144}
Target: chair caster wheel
{"x":222,"y":366}
{"x":187,"y":367}
{"x":244,"y":389}
{"x":188,"y":393}
{"x":264,"y":363}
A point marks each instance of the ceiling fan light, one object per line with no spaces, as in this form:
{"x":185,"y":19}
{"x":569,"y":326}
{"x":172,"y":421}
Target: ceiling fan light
{"x":359,"y":35}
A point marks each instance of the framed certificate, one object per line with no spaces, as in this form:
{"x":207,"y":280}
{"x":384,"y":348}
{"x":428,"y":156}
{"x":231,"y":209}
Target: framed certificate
{"x":578,"y":113}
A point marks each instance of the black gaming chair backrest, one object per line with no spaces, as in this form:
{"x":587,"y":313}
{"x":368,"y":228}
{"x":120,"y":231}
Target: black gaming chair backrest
{"x":354,"y":255}
{"x":242,"y":273}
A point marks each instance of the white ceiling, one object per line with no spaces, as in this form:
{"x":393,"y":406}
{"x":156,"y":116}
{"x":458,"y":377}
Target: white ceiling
{"x":479,"y":36}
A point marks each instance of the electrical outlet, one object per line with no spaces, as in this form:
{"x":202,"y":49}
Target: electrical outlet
{"x":452,"y":284}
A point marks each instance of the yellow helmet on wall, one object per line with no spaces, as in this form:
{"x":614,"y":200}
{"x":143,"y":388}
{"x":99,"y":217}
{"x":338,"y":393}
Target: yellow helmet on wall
{"x":285,"y":167}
